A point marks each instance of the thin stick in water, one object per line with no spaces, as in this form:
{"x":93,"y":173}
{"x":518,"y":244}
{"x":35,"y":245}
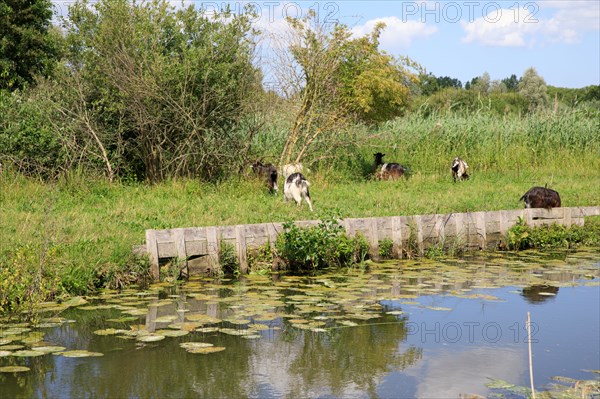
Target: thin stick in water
{"x":530,"y":360}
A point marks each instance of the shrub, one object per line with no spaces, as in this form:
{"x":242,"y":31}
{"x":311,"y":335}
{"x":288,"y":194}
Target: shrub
{"x":521,"y":236}
{"x":228,"y":260}
{"x":27,"y":139}
{"x":317,"y":247}
{"x":260,"y":259}
{"x":28,"y":276}
{"x":386,"y":247}
{"x":361,"y":248}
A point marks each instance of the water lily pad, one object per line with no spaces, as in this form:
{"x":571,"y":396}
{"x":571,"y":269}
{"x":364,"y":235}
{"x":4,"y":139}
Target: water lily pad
{"x":499,"y":384}
{"x":202,"y":318}
{"x":591,"y":371}
{"x":50,"y":349}
{"x":95,"y":307}
{"x":14,"y":369}
{"x":122,"y":319}
{"x":15,"y":331}
{"x":238,"y":322}
{"x":79,"y":353}
{"x":259,"y":327}
{"x":109,"y":331}
{"x":76,"y":301}
{"x":252,"y":336}
{"x":12,"y":347}
{"x":187,"y":326}
{"x":437,"y":308}
{"x":195,"y":345}
{"x":150,"y":338}
{"x":208,"y":329}
{"x":33,"y":338}
{"x":205,"y":351}
{"x":172,"y":333}
{"x":231,"y":331}
{"x":166,"y":319}
{"x":49,"y":325}
{"x":136,"y":312}
{"x":28,"y":353}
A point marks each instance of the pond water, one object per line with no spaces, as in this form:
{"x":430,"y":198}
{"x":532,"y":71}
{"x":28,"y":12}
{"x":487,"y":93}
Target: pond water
{"x":402,"y":329}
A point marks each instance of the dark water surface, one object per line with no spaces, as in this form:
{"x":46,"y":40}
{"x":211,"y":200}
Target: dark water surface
{"x":402,"y":329}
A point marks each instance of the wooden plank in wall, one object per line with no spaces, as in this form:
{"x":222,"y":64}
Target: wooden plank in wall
{"x":419,"y":226}
{"x":481,"y":228}
{"x":195,"y":241}
{"x":152,"y":250}
{"x":212,"y":243}
{"x":459,"y":221}
{"x":179,"y":238}
{"x":398,"y":245}
{"x":241,"y":249}
{"x":373,"y":237}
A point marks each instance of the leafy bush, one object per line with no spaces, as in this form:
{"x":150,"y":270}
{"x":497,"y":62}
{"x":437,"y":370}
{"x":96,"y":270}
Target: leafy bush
{"x":27,"y":139}
{"x":228,"y":260}
{"x":386,"y":247}
{"x":317,"y":247}
{"x":361,"y":248}
{"x":28,"y":276}
{"x":521,"y":236}
{"x":260,"y":259}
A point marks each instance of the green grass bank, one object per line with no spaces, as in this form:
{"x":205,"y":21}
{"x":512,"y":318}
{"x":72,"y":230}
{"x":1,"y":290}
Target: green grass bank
{"x":75,"y":235}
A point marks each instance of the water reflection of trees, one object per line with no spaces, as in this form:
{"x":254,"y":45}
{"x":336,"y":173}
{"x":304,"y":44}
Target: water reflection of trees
{"x":356,"y":357}
{"x":163,"y":369}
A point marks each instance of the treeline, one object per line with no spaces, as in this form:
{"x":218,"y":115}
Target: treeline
{"x":511,"y":95}
{"x":146,"y":91}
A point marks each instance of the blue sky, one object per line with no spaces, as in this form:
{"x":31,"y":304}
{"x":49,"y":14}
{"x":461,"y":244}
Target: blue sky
{"x":464,"y":39}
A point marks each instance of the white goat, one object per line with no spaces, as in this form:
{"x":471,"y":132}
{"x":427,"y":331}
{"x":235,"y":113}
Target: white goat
{"x":296,"y":188}
{"x":290,"y":169}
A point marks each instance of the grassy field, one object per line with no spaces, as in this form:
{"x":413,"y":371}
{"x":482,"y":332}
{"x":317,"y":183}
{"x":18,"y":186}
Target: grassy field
{"x":76,"y":234}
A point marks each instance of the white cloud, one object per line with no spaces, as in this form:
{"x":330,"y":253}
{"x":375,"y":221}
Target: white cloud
{"x":540,"y":23}
{"x":499,"y":29}
{"x":397,"y":33}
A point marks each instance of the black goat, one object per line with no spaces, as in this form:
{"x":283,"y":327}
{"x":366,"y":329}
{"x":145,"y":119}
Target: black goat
{"x":541,"y":197}
{"x":267,"y":171}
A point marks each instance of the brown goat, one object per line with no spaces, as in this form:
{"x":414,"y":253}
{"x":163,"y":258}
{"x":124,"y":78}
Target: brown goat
{"x":541,"y":197}
{"x":388,"y":171}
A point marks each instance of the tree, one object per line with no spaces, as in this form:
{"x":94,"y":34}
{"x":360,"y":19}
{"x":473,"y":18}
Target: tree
{"x":157,"y":92}
{"x":533,"y":88}
{"x":331,"y":80}
{"x":28,"y":45}
{"x":511,"y":83}
{"x":428,"y":84}
{"x":374,"y":85}
{"x":447,"y":81}
{"x":480,"y":84}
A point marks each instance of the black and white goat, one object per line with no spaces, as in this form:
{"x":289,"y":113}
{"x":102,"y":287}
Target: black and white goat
{"x":388,"y":171}
{"x":459,"y":169}
{"x":296,"y":188}
{"x":541,"y":197}
{"x":267,"y":171}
